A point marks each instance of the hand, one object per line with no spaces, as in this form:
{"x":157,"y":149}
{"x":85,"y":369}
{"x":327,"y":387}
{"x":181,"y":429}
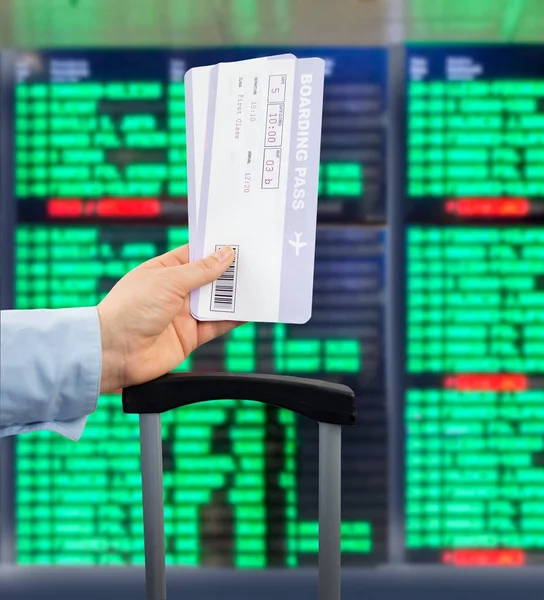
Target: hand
{"x":145,"y":321}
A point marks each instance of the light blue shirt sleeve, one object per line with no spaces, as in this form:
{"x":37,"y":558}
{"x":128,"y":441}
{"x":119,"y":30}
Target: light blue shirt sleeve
{"x":50,"y":368}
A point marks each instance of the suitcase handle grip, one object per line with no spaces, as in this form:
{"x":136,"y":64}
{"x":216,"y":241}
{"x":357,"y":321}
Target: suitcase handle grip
{"x":318,"y":400}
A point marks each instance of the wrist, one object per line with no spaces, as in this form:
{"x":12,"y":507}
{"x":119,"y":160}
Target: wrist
{"x":111,"y":376}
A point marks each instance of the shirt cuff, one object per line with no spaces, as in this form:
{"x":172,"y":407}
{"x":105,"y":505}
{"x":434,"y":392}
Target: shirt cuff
{"x":58,"y":385}
{"x":71,"y":429}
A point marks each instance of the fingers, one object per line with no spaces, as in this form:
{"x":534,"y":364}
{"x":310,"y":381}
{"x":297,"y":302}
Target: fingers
{"x":204,"y":271}
{"x":174,"y":258}
{"x":209,"y":330}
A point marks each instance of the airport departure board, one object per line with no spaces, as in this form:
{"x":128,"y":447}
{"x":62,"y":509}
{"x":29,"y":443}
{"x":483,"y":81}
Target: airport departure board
{"x":103,"y":133}
{"x":475,"y":146}
{"x":474,"y":403}
{"x":100,"y":186}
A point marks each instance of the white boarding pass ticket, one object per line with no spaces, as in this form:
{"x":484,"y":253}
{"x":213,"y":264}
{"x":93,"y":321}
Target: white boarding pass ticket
{"x":258,"y":189}
{"x":197,"y":90}
{"x":197,"y":86}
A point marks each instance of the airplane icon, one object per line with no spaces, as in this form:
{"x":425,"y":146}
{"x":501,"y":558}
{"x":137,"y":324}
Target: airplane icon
{"x":298,"y":244}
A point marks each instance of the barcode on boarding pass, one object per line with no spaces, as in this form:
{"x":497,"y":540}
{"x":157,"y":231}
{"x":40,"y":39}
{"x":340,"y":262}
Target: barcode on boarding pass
{"x":224,"y":289}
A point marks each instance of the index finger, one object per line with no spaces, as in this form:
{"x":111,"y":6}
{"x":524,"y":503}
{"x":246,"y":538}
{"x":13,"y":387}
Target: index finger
{"x":175,"y":258}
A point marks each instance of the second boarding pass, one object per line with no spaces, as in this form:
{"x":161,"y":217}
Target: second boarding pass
{"x":257,"y":170}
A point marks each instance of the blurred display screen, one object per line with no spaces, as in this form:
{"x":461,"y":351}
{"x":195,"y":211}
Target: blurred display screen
{"x":103,"y":133}
{"x":475,"y":136}
{"x":474,"y":403}
{"x":240,"y":478}
{"x":101,"y":186}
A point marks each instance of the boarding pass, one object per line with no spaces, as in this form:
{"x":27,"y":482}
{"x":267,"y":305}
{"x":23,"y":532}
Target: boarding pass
{"x":197,"y":85}
{"x":253,"y":143}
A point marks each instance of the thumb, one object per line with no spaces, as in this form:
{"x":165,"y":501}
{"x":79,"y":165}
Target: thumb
{"x":206,"y":270}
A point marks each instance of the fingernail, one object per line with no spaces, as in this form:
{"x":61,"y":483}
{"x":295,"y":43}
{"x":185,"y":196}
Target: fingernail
{"x":224,"y":254}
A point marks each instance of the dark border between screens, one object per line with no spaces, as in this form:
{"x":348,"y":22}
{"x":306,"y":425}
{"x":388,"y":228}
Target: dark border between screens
{"x":394,"y":321}
{"x":7,"y":233}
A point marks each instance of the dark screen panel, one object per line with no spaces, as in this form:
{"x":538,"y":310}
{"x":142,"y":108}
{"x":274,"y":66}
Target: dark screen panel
{"x":101,"y":186}
{"x":475,"y":133}
{"x":474,"y":358}
{"x":102,"y":134}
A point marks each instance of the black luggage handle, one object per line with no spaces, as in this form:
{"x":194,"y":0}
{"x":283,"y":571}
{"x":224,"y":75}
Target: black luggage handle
{"x":318,"y":400}
{"x":331,"y":405}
